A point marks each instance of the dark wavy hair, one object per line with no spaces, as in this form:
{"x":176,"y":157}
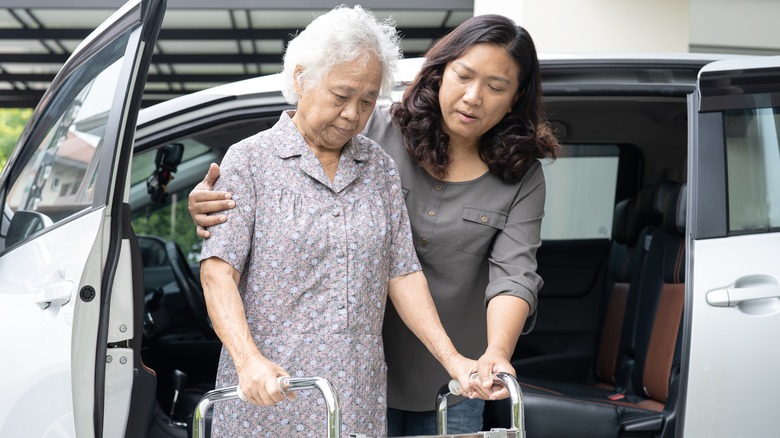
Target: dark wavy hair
{"x":511,"y":145}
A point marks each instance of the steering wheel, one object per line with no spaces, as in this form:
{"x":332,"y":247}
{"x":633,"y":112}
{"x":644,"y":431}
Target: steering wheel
{"x":189,"y":287}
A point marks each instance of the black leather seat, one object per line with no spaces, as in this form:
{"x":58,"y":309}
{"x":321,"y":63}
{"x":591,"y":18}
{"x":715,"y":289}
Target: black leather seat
{"x":647,"y":406}
{"x":634,"y":221}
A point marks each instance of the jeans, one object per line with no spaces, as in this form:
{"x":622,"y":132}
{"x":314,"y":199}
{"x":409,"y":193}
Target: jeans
{"x":463,"y":417}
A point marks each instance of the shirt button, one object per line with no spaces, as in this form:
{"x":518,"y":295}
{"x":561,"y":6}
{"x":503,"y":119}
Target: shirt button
{"x":341,"y":305}
{"x":335,"y":213}
{"x":424,"y":240}
{"x":437,"y":187}
{"x":483,"y":219}
{"x":431,"y":213}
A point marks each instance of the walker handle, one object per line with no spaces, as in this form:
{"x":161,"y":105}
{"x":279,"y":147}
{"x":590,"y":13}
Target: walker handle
{"x":282,"y":381}
{"x":505,"y":379}
{"x":286,"y":384}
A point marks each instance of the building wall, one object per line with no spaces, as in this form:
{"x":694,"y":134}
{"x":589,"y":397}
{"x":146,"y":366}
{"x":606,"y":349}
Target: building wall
{"x":744,"y":26}
{"x":575,"y":26}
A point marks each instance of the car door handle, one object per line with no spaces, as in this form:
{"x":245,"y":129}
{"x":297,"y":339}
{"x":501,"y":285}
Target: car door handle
{"x":57,"y":294}
{"x":734,"y":296}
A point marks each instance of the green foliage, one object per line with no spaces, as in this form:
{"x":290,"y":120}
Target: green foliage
{"x":178,"y":227}
{"x":12,"y":121}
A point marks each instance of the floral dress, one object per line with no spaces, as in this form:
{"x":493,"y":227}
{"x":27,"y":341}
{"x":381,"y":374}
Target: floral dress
{"x":315,"y":258}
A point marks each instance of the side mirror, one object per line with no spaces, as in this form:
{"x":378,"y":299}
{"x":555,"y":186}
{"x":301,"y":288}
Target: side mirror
{"x":24,"y":224}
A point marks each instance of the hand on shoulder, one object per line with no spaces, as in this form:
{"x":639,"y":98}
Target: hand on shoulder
{"x":203,"y":200}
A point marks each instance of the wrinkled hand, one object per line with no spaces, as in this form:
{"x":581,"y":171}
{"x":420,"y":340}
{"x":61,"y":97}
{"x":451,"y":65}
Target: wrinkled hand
{"x":488,"y":366}
{"x":203,"y":200}
{"x":257,"y":378}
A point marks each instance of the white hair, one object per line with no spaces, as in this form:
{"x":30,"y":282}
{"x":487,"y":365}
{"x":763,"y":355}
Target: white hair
{"x":341,"y":35}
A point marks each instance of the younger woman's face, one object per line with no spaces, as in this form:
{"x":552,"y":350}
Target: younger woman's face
{"x":477,"y":90}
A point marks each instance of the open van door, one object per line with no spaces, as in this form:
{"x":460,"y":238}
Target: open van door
{"x":732,"y":318}
{"x":68,"y":311}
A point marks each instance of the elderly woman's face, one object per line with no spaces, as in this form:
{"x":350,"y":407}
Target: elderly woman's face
{"x":337,"y":109}
{"x":477,"y":90}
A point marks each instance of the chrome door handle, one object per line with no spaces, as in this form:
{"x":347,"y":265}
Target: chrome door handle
{"x":57,"y":294}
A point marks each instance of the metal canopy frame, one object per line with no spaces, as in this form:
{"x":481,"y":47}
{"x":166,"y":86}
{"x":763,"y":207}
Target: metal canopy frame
{"x":201,"y":44}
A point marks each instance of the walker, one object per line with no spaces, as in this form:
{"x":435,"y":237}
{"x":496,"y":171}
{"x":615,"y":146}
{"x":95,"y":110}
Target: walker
{"x":333,"y":419}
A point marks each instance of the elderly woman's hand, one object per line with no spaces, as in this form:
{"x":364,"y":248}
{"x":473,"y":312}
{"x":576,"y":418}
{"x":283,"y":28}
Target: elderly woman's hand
{"x":203,"y":200}
{"x":488,"y":366}
{"x":257,"y":377}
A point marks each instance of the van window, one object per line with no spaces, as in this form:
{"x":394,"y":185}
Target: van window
{"x":54,"y":177}
{"x":168,"y":217}
{"x":753,"y":169}
{"x":580,"y":193}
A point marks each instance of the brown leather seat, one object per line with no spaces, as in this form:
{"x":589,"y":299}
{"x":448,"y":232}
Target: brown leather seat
{"x":647,"y":406}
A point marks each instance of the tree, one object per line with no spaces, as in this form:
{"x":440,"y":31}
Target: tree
{"x":12,"y":121}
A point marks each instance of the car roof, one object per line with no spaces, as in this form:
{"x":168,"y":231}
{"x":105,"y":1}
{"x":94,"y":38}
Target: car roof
{"x":568,"y":70}
{"x":575,"y":79}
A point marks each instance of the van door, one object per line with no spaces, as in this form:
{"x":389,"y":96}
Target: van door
{"x":730,"y":381}
{"x":69,"y":342}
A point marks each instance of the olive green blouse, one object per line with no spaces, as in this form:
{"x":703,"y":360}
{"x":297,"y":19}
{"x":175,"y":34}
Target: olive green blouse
{"x":475,"y":240}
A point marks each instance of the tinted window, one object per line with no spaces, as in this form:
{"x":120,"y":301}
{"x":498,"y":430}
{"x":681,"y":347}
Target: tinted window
{"x":166,"y":217}
{"x":170,"y":222}
{"x":144,"y":162}
{"x":55,"y":175}
{"x":581,"y":193}
{"x":753,"y":169}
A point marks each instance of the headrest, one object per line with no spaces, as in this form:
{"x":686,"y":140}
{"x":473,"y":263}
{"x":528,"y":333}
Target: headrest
{"x":651,"y":201}
{"x":676,"y":210}
{"x":624,"y":225}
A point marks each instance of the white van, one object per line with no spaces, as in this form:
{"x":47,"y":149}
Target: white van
{"x":104,"y":329}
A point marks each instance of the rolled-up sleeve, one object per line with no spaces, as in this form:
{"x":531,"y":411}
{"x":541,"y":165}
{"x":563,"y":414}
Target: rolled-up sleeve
{"x":512,"y":262}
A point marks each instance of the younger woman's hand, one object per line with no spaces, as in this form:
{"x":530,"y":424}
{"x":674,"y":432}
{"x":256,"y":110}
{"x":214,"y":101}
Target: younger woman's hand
{"x":204,"y":200}
{"x":490,"y":364}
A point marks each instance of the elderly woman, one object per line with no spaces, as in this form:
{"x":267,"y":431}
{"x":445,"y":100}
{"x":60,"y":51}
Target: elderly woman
{"x":468,"y":137}
{"x":296,"y":280}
